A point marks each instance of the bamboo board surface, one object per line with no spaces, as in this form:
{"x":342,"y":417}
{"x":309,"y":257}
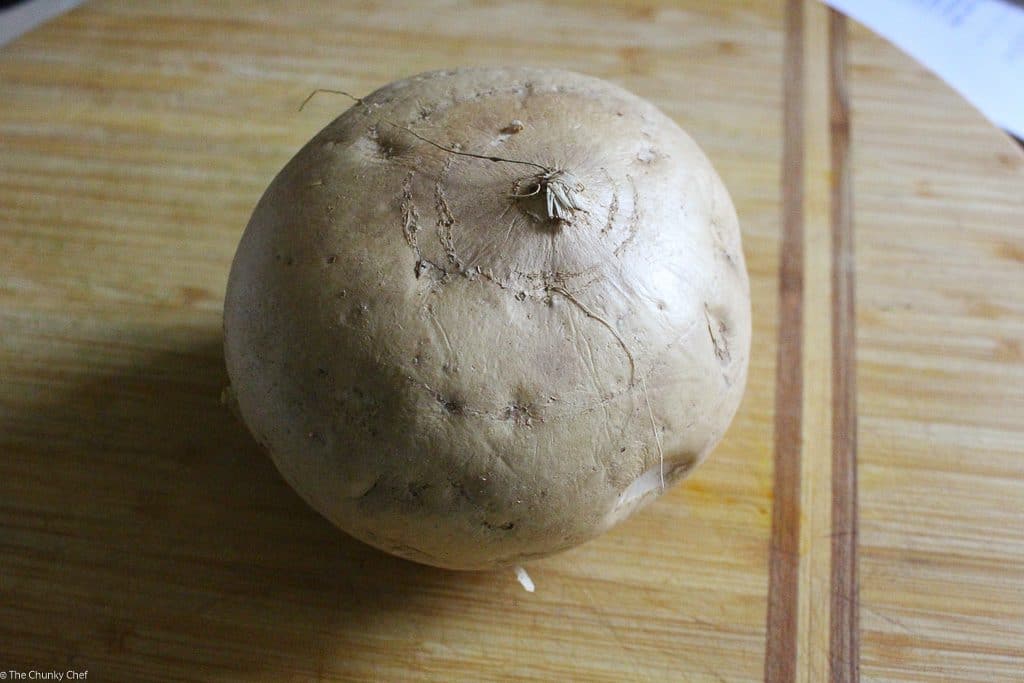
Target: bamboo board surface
{"x":879,"y":447}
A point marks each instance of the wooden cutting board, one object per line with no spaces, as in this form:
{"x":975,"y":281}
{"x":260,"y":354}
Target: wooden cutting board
{"x":864,"y":516}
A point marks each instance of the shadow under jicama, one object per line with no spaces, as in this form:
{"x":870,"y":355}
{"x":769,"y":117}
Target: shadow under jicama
{"x":163,"y":542}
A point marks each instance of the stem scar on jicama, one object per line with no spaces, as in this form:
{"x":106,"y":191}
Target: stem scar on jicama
{"x":559,"y":187}
{"x":476,"y":354}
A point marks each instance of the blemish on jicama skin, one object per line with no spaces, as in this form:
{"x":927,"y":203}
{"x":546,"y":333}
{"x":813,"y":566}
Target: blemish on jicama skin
{"x":452,"y":406}
{"x":372,"y":488}
{"x":521,"y":415}
{"x":644,"y":487}
{"x":647,"y":487}
{"x":718,"y":331}
{"x":514,"y":126}
{"x":646,"y":156}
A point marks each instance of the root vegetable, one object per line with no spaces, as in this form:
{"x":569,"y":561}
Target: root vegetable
{"x":488,"y":313}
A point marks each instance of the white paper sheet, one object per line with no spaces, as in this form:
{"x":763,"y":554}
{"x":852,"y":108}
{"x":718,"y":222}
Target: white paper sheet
{"x":21,"y":18}
{"x":977,"y":46}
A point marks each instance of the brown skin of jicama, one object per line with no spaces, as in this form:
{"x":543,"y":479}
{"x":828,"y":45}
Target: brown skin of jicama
{"x":458,"y":360}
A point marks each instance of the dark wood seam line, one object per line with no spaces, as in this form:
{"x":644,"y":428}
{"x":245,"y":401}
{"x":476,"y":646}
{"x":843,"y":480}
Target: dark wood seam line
{"x":844,"y":636}
{"x":784,"y":553}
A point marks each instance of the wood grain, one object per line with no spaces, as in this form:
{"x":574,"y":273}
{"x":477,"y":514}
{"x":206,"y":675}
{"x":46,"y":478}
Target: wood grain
{"x":939,"y":227}
{"x":784,"y":560}
{"x":816,"y":434}
{"x":813,"y":281}
{"x":143,"y":536}
{"x":844,"y":635}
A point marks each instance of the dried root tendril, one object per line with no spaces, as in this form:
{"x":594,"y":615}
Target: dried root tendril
{"x":524,"y":580}
{"x":594,"y":316}
{"x":410,"y":131}
{"x":657,"y":435}
{"x":560,"y":188}
{"x":358,"y":100}
{"x":561,"y":192}
{"x":452,"y":150}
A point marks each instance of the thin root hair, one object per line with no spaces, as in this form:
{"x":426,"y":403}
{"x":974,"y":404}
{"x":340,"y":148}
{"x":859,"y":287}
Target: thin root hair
{"x":452,"y":150}
{"x":357,"y":100}
{"x":410,"y":131}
